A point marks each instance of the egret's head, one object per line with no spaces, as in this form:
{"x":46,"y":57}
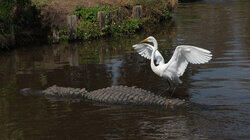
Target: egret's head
{"x":149,"y":39}
{"x":152,"y":40}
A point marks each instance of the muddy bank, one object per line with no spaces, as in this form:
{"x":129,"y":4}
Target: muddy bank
{"x":36,"y":21}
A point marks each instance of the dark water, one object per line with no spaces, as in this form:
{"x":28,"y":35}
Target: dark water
{"x":222,"y":26}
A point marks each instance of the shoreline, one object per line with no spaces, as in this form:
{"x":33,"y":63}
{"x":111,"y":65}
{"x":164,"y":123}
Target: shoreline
{"x":39,"y":21}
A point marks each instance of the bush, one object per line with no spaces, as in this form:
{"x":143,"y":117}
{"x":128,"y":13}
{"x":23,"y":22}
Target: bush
{"x":127,"y":26}
{"x":89,"y":27}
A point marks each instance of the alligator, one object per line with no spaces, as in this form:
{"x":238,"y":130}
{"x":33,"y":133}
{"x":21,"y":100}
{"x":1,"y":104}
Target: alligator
{"x":110,"y":95}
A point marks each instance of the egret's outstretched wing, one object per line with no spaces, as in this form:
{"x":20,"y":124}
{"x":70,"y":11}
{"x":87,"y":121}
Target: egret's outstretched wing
{"x":185,"y":54}
{"x":146,"y":50}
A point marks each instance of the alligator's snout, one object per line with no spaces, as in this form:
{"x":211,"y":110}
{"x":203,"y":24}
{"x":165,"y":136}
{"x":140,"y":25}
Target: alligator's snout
{"x":29,"y":91}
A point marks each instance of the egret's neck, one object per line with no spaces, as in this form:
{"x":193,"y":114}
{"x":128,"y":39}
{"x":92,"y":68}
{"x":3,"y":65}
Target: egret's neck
{"x":155,"y":44}
{"x":153,"y":67}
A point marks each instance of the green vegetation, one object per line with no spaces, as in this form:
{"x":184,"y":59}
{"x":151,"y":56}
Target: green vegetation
{"x":90,"y":14}
{"x":39,"y":3}
{"x":63,"y":33}
{"x":21,"y":21}
{"x":127,"y":26}
{"x":89,"y":27}
{"x":154,"y":11}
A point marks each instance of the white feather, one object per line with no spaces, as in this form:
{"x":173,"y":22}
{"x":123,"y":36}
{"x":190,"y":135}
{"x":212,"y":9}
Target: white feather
{"x":185,"y":54}
{"x":145,"y":50}
{"x":177,"y":65}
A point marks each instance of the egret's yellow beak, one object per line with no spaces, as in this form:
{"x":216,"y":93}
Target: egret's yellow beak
{"x":145,"y":40}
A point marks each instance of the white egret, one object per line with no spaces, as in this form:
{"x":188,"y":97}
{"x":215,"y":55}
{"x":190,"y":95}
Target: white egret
{"x":176,"y":66}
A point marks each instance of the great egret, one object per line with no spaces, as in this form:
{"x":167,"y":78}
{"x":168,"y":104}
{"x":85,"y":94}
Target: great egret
{"x":176,"y":66}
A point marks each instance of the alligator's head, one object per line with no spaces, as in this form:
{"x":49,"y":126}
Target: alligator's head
{"x":29,"y":91}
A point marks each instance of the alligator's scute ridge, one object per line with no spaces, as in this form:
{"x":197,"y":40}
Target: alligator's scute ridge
{"x":64,"y":92}
{"x":110,"y":95}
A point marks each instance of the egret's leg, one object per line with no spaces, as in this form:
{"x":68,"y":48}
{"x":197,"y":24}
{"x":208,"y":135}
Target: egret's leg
{"x":168,"y":89}
{"x":171,"y":88}
{"x":169,"y":85}
{"x":172,"y":92}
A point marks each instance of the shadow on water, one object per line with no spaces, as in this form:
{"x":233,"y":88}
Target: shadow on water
{"x":222,"y":85}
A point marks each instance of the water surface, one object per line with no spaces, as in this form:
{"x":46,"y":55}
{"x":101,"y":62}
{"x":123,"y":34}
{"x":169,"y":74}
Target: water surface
{"x":220,"y":26}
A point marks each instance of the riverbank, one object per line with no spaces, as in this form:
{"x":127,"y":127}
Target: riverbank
{"x":56,"y":20}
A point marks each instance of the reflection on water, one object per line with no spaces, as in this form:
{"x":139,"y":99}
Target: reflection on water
{"x":220,"y":26}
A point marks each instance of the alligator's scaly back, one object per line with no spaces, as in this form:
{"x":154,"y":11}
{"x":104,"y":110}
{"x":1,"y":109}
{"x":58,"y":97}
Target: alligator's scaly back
{"x":131,"y":95}
{"x":65,"y":92}
{"x":110,"y":95}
